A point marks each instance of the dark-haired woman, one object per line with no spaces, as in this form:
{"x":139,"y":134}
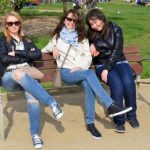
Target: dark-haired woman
{"x":106,"y":46}
{"x":70,"y":40}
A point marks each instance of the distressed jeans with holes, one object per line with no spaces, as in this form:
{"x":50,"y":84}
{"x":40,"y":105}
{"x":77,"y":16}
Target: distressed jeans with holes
{"x":37,"y":93}
{"x":92,"y":88}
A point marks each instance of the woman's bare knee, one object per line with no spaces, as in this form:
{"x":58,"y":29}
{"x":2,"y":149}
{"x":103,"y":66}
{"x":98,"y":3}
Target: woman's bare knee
{"x":17,"y":74}
{"x":33,"y":100}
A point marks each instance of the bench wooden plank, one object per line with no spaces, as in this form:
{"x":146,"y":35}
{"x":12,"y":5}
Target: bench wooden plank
{"x":133,"y":57}
{"x":50,"y":64}
{"x":47,"y":56}
{"x":131,"y":49}
{"x":137,"y":68}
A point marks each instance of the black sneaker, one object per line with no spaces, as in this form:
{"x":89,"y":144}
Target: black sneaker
{"x":120,"y":129}
{"x":37,"y":141}
{"x":114,"y":110}
{"x":92,"y":129}
{"x":57,"y":112}
{"x":134,"y":123}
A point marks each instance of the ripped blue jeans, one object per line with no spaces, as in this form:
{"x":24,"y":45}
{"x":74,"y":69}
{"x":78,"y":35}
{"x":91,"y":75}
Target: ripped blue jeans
{"x":34,"y":94}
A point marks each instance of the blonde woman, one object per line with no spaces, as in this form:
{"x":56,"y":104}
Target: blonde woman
{"x":16,"y":51}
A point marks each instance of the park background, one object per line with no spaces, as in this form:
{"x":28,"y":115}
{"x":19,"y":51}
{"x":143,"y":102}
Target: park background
{"x":70,"y":132}
{"x":133,"y":19}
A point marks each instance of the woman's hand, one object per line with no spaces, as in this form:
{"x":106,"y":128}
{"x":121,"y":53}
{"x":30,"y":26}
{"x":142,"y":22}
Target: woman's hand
{"x":56,"y":53}
{"x":104,"y":75}
{"x":12,"y":53}
{"x":93,"y":50}
{"x":75,"y":69}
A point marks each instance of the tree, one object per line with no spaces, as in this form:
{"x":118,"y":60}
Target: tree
{"x":82,"y":5}
{"x":4,"y":5}
{"x":15,"y":5}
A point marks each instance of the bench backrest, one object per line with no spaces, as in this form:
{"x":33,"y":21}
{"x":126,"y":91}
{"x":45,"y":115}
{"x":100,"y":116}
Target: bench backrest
{"x":48,"y":65}
{"x":132,"y":54}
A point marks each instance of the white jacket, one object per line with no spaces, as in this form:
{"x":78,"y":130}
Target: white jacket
{"x":78,"y":56}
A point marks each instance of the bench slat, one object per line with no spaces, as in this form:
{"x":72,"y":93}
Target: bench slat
{"x":136,"y":57}
{"x":137,"y":68}
{"x":131,"y":49}
{"x":47,"y":56}
{"x":51,"y":64}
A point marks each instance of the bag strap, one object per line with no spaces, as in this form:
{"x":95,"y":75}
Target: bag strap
{"x":64,"y":58}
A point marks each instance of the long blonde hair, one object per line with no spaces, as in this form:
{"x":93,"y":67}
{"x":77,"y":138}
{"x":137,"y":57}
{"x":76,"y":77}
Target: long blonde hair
{"x":6,"y":31}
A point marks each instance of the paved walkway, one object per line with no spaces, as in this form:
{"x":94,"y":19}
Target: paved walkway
{"x":69,"y":133}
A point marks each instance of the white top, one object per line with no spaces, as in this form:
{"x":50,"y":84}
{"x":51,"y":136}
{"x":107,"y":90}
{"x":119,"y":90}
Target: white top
{"x":78,"y":56}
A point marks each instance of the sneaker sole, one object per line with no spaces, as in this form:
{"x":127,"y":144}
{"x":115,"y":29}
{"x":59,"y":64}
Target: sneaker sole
{"x":59,"y":116}
{"x":121,"y":112}
{"x":38,"y":146}
{"x":97,"y":138}
{"x":118,"y":131}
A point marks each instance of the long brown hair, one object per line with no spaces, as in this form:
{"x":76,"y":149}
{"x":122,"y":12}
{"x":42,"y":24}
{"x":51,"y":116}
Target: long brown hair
{"x":6,"y":31}
{"x":97,"y":14}
{"x":80,"y":28}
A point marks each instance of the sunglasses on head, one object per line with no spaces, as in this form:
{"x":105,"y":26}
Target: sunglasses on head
{"x":71,"y":20}
{"x":10,"y":24}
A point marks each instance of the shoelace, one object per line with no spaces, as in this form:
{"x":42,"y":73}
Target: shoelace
{"x":37,"y":139}
{"x":56,"y":110}
{"x":93,"y":128}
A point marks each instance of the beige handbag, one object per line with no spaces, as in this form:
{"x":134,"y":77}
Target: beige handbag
{"x":57,"y":77}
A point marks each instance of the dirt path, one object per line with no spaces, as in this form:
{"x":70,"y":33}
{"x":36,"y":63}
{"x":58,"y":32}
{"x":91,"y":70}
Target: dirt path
{"x":69,"y":133}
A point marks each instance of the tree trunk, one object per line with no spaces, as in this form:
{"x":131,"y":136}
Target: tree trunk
{"x":64,"y":6}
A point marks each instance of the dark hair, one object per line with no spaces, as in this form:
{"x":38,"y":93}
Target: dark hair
{"x":80,"y":28}
{"x":97,"y":14}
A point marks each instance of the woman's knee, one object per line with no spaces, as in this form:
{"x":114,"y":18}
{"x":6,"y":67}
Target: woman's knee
{"x":85,"y":84}
{"x":32,"y":102}
{"x":18,"y":74}
{"x":129,"y":83}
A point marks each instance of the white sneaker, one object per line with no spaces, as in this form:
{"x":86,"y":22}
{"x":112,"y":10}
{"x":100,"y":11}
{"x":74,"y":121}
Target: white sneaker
{"x":37,"y":141}
{"x":57,"y":112}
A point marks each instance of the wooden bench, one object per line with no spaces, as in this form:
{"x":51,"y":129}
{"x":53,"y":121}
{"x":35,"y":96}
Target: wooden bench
{"x":48,"y":66}
{"x":133,"y":55}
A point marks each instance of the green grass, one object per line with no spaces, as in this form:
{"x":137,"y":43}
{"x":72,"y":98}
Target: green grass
{"x":135,"y":22}
{"x":44,"y":10}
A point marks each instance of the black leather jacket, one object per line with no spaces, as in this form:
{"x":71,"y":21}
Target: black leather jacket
{"x":111,"y":50}
{"x":21,"y":56}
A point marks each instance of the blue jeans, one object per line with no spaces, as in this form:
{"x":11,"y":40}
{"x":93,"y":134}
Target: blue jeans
{"x":122,"y":85}
{"x":34,"y":93}
{"x":92,"y":88}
